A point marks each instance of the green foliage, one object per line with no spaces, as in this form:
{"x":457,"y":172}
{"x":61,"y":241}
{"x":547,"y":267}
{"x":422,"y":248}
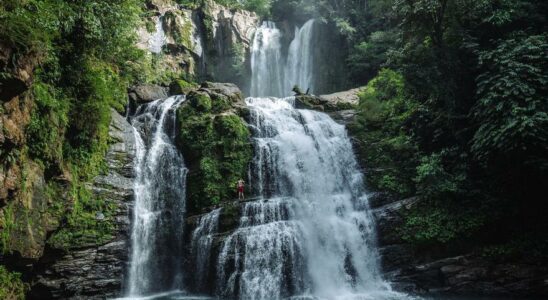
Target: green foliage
{"x":88,"y":58}
{"x":181,"y":86}
{"x":388,"y":151}
{"x":512,"y":109}
{"x":11,"y":285}
{"x":183,"y":34}
{"x":7,"y":223}
{"x":433,"y":181}
{"x":31,"y":25}
{"x":478,"y":73}
{"x":216,"y":145}
{"x":368,"y":56}
{"x":46,"y":129}
{"x":200,"y":101}
{"x":435,"y":222}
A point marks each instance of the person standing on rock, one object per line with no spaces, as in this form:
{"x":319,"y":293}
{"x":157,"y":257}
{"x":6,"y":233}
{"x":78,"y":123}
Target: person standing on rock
{"x":240,"y":186}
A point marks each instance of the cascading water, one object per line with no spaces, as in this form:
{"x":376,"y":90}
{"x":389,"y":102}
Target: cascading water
{"x":315,"y":238}
{"x":267,"y":62}
{"x":202,"y":239}
{"x":272,"y":73}
{"x":300,"y":59}
{"x":157,"y":225}
{"x":263,"y":259}
{"x":311,"y":234}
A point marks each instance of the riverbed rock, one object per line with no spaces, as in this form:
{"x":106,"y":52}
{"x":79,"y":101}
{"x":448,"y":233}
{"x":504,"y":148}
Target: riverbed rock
{"x":96,"y":272}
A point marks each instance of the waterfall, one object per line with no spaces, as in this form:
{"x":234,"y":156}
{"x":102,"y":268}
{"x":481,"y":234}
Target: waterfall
{"x":272,"y":73}
{"x":158,"y":39}
{"x":313,"y":234}
{"x":300,"y":59}
{"x":267,"y":62}
{"x":202,"y":239}
{"x":157,"y":225}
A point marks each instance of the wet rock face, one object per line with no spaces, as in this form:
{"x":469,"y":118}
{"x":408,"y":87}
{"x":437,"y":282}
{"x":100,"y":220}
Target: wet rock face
{"x":98,"y":271}
{"x":215,"y":141}
{"x":230,"y":27}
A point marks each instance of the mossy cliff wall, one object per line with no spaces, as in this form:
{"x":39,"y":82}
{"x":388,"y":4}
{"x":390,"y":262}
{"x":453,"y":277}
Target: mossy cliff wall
{"x":215,"y":142}
{"x":55,"y":198}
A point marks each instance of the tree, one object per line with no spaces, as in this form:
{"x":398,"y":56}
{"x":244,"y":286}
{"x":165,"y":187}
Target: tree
{"x":512,"y":111}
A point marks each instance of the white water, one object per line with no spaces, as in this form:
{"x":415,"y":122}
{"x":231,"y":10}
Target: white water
{"x":157,"y":224}
{"x":202,"y":239}
{"x":263,"y":258}
{"x":272,"y":73}
{"x":299,"y":69}
{"x":158,"y":39}
{"x":309,"y":236}
{"x":313,"y":236}
{"x":267,"y":63}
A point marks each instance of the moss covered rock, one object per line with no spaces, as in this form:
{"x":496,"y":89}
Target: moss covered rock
{"x":215,"y":142}
{"x":181,"y":87}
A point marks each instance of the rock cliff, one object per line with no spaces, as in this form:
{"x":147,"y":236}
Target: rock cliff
{"x":202,"y":41}
{"x":96,"y":271}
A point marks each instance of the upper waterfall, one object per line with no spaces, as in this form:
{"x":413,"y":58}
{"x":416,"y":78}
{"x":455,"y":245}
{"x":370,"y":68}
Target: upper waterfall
{"x":299,"y":69}
{"x":272,"y":73}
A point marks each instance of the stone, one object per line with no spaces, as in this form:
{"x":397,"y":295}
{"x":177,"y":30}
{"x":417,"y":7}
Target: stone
{"x":230,"y":90}
{"x":340,"y":105}
{"x":349,"y":98}
{"x":146,"y":93}
{"x":96,"y":272}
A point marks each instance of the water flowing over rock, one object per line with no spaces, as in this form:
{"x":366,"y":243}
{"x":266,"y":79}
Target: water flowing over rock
{"x":202,"y":239}
{"x":300,"y":59}
{"x":157,"y":224}
{"x":318,"y":239}
{"x":267,"y":62}
{"x":276,"y":75}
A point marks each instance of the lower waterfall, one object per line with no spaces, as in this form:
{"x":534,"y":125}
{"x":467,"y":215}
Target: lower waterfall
{"x":310,"y":235}
{"x":156,"y":237}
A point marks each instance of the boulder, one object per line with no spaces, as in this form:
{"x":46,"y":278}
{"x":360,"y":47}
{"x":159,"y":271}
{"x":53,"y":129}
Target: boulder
{"x":349,"y":98}
{"x":337,"y":102}
{"x":228,"y":89}
{"x":146,"y":93}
